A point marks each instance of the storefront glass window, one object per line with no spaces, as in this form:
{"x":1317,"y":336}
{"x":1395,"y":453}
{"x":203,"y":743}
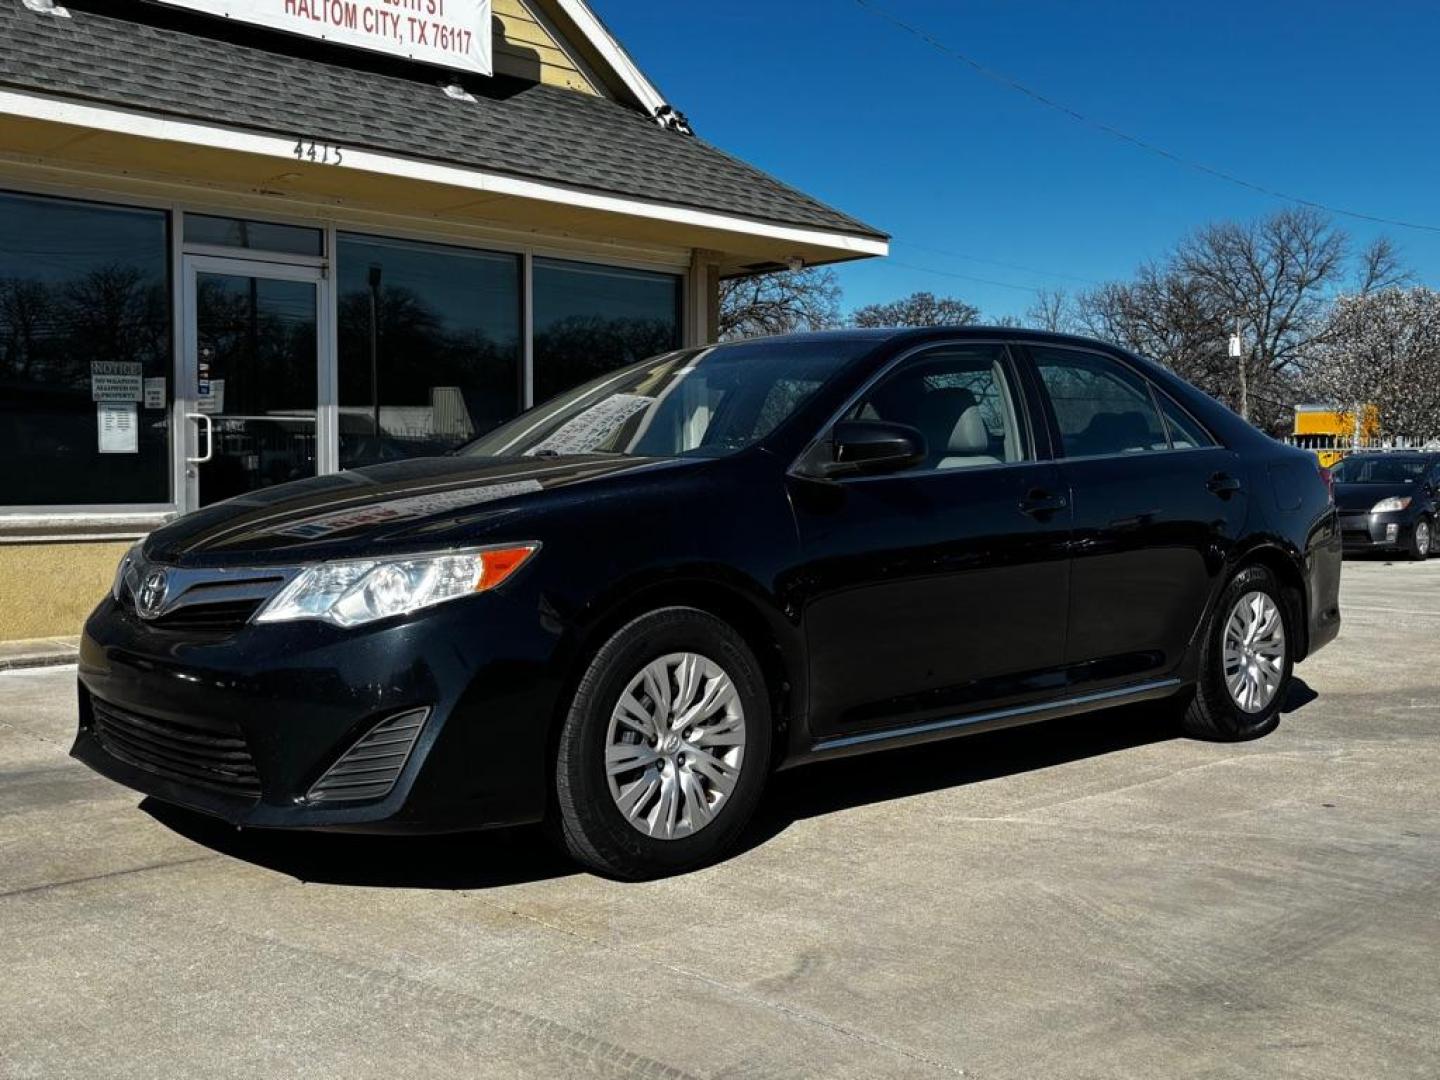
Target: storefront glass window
{"x":253,"y":235}
{"x":430,"y":347}
{"x":84,"y":353}
{"x":592,"y":319}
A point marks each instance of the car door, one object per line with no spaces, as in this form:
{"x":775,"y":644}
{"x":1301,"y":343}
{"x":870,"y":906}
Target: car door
{"x":1157,"y":503}
{"x":939,"y":589}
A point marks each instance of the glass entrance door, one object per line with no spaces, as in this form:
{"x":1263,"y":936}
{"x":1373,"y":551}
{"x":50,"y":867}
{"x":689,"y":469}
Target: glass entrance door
{"x":252,"y":385}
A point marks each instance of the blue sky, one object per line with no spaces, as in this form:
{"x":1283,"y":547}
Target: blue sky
{"x":1334,"y":102}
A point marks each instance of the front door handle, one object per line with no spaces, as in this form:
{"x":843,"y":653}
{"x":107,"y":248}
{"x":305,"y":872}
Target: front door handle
{"x":1039,"y":502}
{"x":1223,"y":484}
{"x":202,"y":418}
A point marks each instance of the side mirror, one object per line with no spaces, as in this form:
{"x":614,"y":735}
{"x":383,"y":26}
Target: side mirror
{"x":867,"y":447}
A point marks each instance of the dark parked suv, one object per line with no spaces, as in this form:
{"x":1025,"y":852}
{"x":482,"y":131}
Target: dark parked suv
{"x":1388,"y":501}
{"x":626,"y":608}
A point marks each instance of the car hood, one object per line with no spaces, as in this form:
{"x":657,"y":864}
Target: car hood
{"x":406,"y":505}
{"x":1364,"y":496}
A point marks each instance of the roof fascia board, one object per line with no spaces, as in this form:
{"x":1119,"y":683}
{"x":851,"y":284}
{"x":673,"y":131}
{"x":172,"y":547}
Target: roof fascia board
{"x":148,"y":125}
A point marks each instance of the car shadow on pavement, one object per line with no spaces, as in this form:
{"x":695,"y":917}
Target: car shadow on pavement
{"x":839,"y":785}
{"x":480,"y":860}
{"x":473,"y":860}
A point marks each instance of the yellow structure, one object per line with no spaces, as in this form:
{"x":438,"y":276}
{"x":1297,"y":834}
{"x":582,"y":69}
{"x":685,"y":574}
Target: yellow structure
{"x":1331,"y":432}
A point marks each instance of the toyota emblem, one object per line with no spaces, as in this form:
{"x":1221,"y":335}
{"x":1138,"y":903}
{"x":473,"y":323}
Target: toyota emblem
{"x":151,"y":597}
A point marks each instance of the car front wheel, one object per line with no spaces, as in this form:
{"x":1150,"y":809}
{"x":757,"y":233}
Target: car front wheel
{"x":663,"y":753}
{"x":1246,"y":660}
{"x":1422,"y":539}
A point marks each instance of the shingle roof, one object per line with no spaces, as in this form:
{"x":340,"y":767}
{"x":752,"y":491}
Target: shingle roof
{"x":161,"y":61}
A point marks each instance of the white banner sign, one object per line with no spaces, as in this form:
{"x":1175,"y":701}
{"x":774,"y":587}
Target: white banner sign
{"x":452,"y":33}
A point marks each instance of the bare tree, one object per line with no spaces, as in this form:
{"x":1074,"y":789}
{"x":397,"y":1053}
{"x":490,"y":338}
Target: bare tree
{"x":779,"y":303}
{"x":1051,"y":310}
{"x":1167,"y":316}
{"x":917,"y":309}
{"x":1381,"y":267}
{"x":1270,"y":277}
{"x":1382,"y":348}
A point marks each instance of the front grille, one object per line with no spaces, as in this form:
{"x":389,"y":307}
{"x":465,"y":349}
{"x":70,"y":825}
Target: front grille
{"x":370,"y":768}
{"x":206,"y":600}
{"x":215,"y":757}
{"x":229,"y":615}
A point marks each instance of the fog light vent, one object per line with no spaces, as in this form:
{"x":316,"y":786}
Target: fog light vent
{"x":370,"y":768}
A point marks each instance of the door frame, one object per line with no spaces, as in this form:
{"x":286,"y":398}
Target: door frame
{"x":187,"y":386}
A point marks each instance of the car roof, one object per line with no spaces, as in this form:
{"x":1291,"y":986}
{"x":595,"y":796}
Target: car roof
{"x":902,"y":334}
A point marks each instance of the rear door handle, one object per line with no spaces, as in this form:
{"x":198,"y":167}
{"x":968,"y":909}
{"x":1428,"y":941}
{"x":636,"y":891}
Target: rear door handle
{"x":1039,"y":503}
{"x":1223,"y":484}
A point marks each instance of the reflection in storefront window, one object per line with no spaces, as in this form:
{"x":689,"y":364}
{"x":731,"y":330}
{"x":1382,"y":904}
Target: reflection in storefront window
{"x":592,"y":319}
{"x":84,"y":354}
{"x":430,"y":347}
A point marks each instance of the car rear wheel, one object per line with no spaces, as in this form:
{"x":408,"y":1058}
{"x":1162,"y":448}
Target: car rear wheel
{"x":1246,"y":661}
{"x":663,"y":754}
{"x":1421,"y":539}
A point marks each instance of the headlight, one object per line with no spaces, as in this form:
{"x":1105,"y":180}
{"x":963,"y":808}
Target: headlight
{"x":126,"y":561}
{"x":1384,"y":506}
{"x":352,"y":593}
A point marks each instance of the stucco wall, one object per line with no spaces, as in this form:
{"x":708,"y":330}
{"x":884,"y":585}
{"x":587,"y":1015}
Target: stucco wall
{"x":46,"y":590}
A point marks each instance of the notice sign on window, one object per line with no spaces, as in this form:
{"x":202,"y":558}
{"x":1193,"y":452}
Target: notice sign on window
{"x":451,"y":33}
{"x":116,"y":380}
{"x":119,"y":431}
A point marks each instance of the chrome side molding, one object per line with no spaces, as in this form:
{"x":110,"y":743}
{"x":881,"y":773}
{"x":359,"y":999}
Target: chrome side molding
{"x":1017,"y":714}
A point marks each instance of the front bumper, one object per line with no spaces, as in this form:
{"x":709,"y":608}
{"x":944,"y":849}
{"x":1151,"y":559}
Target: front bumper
{"x":1364,"y":531}
{"x":286,"y":701}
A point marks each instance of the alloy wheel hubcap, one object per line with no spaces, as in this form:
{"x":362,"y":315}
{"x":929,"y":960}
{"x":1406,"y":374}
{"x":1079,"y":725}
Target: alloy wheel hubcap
{"x":1422,"y":537}
{"x":675,"y":745}
{"x":1254,"y":651}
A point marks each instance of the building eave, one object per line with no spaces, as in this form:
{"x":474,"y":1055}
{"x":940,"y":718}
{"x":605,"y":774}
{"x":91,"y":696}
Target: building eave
{"x":496,"y":193}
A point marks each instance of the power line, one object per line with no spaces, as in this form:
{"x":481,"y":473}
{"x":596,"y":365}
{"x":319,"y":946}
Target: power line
{"x":962,"y":277}
{"x":994,"y":262}
{"x":1159,"y":151}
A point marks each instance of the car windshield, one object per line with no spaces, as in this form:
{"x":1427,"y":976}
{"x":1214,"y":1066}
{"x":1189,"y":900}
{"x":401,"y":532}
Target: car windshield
{"x":1379,"y":470}
{"x":697,"y":402}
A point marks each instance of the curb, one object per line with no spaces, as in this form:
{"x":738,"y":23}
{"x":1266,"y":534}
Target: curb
{"x":20,"y":655}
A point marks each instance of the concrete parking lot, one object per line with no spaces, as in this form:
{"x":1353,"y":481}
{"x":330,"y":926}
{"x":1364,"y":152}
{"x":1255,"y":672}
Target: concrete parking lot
{"x":1087,"y":898}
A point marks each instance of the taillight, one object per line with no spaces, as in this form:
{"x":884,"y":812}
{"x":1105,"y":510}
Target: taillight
{"x":1329,"y":480}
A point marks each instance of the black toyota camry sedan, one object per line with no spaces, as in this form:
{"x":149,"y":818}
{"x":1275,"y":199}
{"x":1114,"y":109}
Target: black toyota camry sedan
{"x":1389,"y":501}
{"x":622,"y":611}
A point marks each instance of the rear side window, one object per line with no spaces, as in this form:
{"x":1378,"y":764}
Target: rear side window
{"x":1101,"y":406}
{"x":1185,"y":432}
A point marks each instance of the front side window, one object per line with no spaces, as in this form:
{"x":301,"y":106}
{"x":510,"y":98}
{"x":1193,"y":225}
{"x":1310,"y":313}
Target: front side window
{"x":960,"y":398}
{"x":699,"y":402}
{"x":84,"y":353}
{"x":592,"y":319}
{"x":1101,"y":406}
{"x":430,"y":347}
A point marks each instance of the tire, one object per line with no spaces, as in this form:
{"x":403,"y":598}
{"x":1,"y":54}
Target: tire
{"x":1422,"y":540}
{"x":1213,"y":711}
{"x":706,"y":791}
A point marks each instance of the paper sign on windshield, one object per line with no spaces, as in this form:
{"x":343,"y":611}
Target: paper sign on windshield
{"x":592,"y":428}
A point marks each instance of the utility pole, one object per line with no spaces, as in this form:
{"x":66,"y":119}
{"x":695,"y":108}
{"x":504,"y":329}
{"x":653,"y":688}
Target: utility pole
{"x":1237,"y":353}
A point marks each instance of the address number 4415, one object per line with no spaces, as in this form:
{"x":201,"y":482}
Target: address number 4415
{"x":318,"y":152}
